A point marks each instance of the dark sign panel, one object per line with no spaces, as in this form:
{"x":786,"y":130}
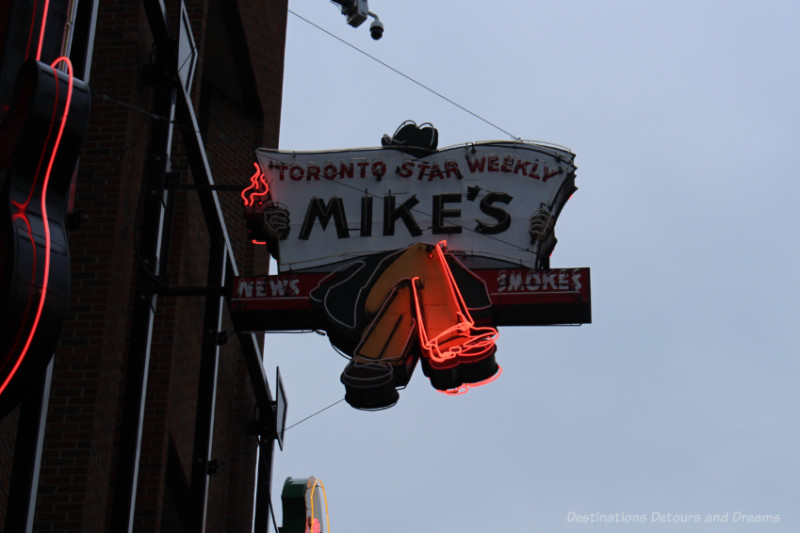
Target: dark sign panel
{"x":519,"y":297}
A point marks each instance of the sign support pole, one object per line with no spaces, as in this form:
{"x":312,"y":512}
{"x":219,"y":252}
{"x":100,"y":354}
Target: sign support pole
{"x":266,"y":451}
{"x":153,"y":252}
{"x":207,"y":392}
{"x":250,"y":344}
{"x":28,"y":458}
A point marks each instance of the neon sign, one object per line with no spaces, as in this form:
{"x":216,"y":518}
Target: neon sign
{"x":382,"y":248}
{"x":253,"y":195}
{"x":305,"y":506}
{"x":40,"y":139}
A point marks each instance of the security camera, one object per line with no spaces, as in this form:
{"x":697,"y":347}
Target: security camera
{"x":376,"y":28}
{"x":357,"y":12}
{"x":354,"y":10}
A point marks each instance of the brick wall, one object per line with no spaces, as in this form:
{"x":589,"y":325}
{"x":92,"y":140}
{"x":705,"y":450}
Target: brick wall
{"x":82,"y":433}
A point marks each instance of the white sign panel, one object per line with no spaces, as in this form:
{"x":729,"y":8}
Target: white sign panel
{"x":493,"y":199}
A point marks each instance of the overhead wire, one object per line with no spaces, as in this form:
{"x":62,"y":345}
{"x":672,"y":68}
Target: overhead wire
{"x":406,"y":76}
{"x":312,"y":415}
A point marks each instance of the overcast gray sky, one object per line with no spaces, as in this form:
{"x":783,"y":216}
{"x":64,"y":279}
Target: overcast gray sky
{"x":682,"y":397}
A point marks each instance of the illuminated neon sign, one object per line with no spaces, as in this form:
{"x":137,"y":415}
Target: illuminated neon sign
{"x":406,"y":255}
{"x":40,"y":138}
{"x":305,"y":506}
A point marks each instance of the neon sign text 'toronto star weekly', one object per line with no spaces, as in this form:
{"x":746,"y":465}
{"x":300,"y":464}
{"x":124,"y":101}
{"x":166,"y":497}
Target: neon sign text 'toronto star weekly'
{"x":480,"y":197}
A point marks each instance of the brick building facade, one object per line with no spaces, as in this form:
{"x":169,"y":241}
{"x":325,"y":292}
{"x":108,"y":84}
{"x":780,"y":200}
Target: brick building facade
{"x":236,"y":95}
